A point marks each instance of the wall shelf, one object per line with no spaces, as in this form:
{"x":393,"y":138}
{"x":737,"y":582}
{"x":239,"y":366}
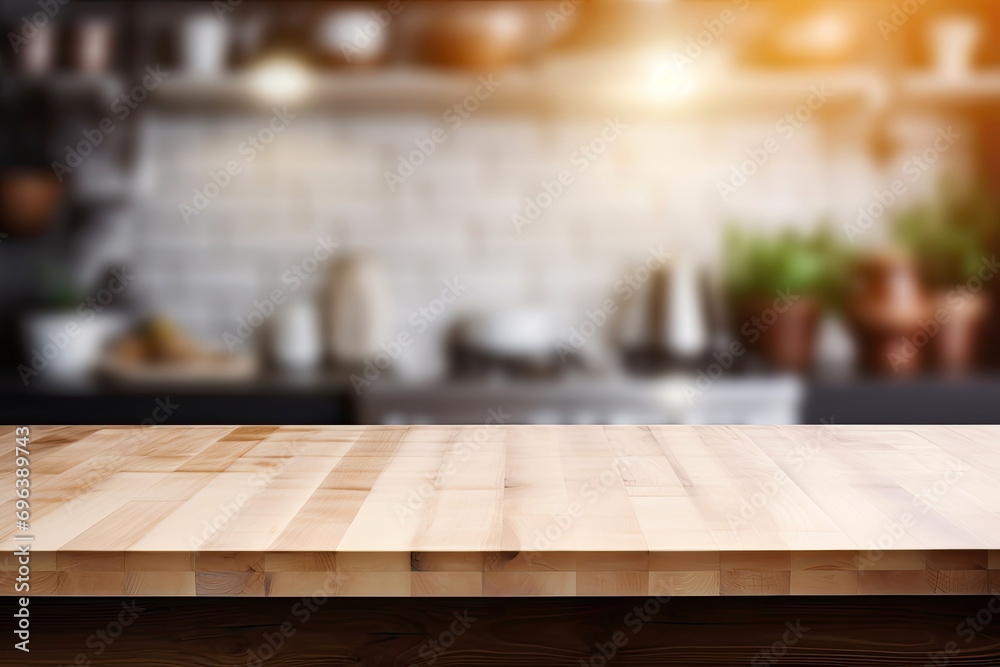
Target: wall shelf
{"x":401,"y":89}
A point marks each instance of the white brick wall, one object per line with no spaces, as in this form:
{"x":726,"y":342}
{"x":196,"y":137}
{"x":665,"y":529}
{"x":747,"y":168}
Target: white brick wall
{"x":656,"y":185}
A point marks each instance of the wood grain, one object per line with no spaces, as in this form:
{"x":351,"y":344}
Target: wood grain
{"x":512,"y":511}
{"x":556,"y":632}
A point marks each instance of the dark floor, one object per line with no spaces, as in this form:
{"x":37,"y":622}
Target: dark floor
{"x":294,"y":632}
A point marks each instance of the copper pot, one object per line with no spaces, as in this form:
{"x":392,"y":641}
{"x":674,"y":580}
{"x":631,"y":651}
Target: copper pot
{"x":28,"y":199}
{"x":483,"y":36}
{"x":889,"y":311}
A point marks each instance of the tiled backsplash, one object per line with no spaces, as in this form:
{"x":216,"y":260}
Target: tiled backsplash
{"x":657,"y":184}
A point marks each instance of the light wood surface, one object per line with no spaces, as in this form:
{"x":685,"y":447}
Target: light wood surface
{"x":509,"y":510}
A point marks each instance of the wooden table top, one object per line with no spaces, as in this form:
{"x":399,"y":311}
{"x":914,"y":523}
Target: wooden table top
{"x":508,"y":510}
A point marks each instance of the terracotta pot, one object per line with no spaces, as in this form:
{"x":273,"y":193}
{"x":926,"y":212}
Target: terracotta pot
{"x":28,"y":200}
{"x":962,"y":317}
{"x":787,"y":330}
{"x":888,"y":308}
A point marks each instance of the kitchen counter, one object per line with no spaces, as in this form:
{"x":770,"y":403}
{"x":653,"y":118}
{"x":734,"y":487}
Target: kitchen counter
{"x":327,"y":398}
{"x":496,"y":510}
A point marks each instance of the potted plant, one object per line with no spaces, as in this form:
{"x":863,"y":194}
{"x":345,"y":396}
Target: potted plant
{"x":950,"y":238}
{"x":779,"y":285}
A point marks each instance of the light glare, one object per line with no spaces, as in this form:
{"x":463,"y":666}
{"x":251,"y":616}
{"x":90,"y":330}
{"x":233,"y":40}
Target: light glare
{"x":281,"y":80}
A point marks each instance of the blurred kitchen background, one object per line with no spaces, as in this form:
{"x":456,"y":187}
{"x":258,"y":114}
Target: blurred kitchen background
{"x":655,"y":211}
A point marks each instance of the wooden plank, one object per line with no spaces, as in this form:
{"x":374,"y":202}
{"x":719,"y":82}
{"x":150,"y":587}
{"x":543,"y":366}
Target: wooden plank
{"x":513,"y":510}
